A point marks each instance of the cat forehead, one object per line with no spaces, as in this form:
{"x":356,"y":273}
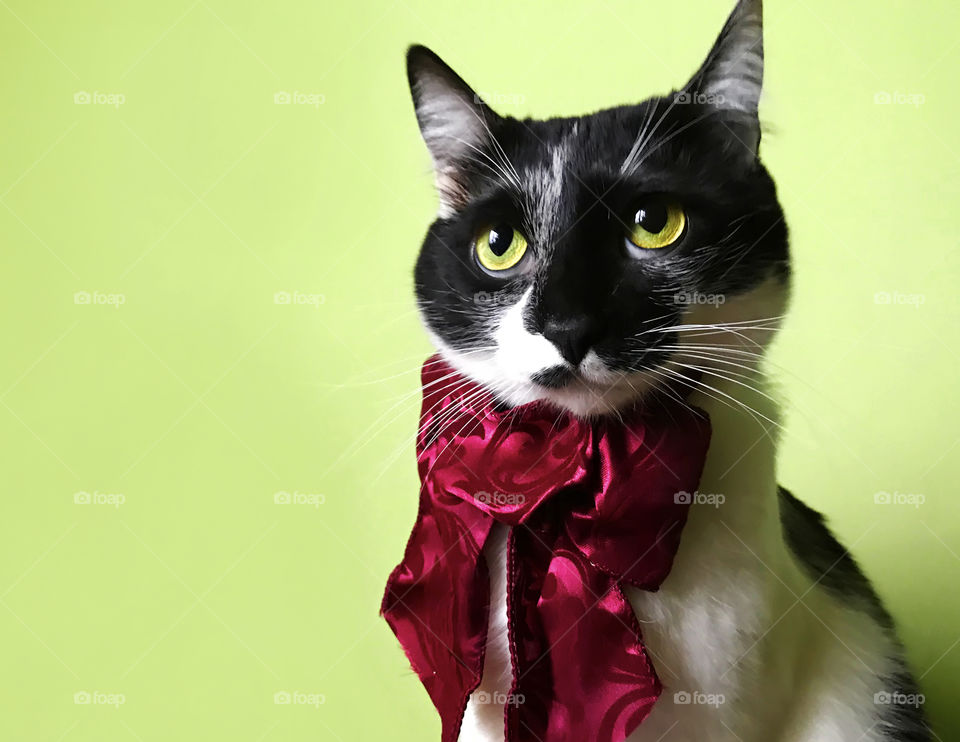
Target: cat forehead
{"x":557,"y":161}
{"x":539,"y":145}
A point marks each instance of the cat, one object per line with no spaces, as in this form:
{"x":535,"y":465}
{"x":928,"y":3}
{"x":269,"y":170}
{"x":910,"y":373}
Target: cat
{"x":592,"y":261}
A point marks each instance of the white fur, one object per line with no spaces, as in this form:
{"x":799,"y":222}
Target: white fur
{"x":521,"y":353}
{"x":483,"y":720}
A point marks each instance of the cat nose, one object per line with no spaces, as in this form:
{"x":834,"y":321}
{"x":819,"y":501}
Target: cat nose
{"x":572,"y":336}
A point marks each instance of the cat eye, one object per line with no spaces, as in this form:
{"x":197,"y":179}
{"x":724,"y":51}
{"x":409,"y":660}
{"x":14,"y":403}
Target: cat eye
{"x":658,"y":223}
{"x":499,"y":248}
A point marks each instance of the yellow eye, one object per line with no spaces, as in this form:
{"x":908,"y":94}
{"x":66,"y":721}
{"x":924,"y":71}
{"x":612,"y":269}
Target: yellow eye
{"x":500,"y":247}
{"x":657,"y":224}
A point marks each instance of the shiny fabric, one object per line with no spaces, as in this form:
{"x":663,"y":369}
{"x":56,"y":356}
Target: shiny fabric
{"x":592,"y":506}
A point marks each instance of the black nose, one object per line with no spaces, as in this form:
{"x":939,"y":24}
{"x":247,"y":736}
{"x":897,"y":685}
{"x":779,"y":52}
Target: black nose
{"x":573,"y":337}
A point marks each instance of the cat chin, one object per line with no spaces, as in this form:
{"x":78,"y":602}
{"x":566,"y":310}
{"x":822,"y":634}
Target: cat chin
{"x":588,"y":400}
{"x":601,"y":393}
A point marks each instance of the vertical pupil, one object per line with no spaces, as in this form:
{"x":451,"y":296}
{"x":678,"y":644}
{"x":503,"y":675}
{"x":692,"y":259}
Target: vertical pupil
{"x":652,"y":217}
{"x":500,"y":238}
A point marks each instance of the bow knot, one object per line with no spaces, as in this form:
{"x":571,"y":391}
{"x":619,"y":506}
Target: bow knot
{"x":591,"y":506}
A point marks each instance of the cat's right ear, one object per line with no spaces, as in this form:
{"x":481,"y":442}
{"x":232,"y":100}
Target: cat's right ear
{"x":455,"y":123}
{"x":731,"y":78}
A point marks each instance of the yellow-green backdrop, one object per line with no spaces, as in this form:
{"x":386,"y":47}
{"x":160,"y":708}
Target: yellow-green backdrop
{"x":209,"y":212}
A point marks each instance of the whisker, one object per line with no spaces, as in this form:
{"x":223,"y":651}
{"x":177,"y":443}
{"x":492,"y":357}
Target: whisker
{"x":750,"y":410}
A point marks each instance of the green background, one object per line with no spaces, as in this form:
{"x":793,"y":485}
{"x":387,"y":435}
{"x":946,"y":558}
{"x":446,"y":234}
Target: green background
{"x":198,"y":198}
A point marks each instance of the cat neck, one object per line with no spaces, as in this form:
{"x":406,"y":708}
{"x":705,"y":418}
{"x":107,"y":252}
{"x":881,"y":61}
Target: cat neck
{"x":737,"y":500}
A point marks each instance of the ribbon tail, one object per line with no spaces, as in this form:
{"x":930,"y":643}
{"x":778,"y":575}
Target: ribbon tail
{"x":437,"y":603}
{"x":582,"y":671}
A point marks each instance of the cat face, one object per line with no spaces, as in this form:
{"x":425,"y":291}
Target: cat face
{"x":591,"y":260}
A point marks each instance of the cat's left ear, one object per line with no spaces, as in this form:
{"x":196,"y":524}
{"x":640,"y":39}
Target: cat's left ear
{"x":731,"y":77}
{"x":455,"y":123}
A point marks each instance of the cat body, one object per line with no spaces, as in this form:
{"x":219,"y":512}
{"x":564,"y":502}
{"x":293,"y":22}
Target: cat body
{"x":598,"y":262}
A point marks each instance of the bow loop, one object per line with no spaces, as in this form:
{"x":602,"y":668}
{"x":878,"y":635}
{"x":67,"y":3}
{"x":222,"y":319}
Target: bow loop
{"x":634,"y":538}
{"x":504,"y":463}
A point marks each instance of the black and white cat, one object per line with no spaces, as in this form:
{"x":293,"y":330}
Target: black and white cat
{"x":589,"y":260}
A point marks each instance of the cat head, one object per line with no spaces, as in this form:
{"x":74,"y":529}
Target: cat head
{"x":590,"y":260}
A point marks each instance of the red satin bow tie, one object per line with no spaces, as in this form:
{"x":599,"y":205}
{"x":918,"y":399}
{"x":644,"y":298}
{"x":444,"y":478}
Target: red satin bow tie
{"x":591,"y":505}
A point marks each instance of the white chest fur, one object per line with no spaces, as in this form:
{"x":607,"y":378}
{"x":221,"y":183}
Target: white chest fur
{"x":748,"y":648}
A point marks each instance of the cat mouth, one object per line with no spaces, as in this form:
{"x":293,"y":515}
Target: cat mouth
{"x":556,"y":377}
{"x":563,"y":377}
{"x":589,"y":376}
{"x":586,"y":376}
{"x":580,"y":391}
